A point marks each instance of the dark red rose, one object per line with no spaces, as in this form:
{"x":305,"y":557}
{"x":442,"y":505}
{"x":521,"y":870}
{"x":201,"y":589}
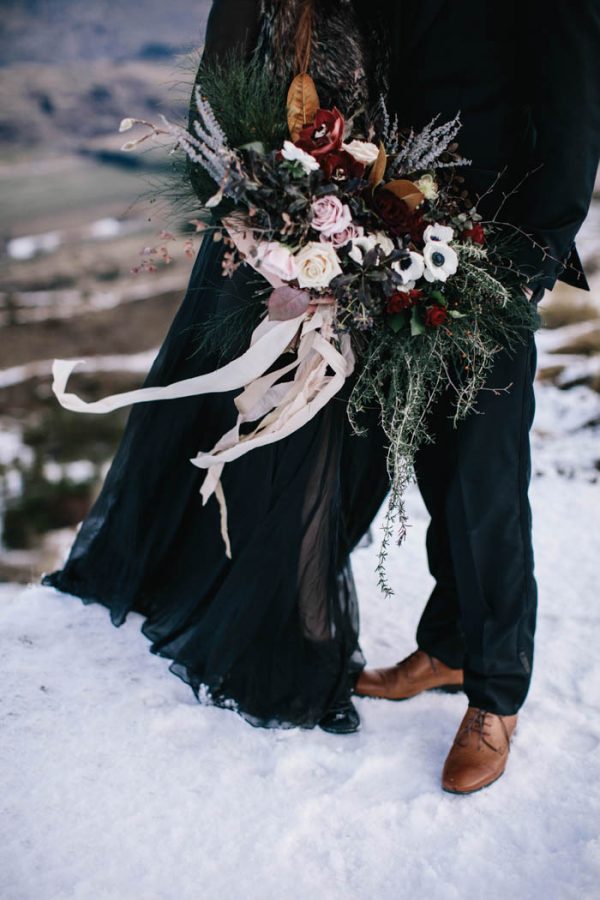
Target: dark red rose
{"x":340,"y":164}
{"x":402,"y":300}
{"x":475,"y":234}
{"x":398,"y":218}
{"x":435,"y":316}
{"x":324,"y":135}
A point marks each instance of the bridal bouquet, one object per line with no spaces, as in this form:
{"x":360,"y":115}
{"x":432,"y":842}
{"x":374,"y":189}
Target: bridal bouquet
{"x":376,"y":265}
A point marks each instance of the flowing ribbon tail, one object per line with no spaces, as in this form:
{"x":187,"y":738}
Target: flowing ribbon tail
{"x":270,"y":342}
{"x":279,"y":407}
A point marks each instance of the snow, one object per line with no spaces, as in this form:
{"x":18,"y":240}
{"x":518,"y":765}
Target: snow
{"x":136,"y":363}
{"x":116,"y":784}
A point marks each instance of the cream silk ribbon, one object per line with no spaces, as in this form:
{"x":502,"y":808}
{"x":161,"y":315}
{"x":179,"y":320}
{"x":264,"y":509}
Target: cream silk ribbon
{"x":279,"y":409}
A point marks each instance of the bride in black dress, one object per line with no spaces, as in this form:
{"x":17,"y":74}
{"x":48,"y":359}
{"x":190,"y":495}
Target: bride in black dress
{"x":273,"y":631}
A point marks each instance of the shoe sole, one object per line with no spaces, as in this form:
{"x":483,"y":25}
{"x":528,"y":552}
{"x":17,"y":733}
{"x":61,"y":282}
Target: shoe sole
{"x":442,"y":689}
{"x":336,"y":731}
{"x":475,"y":790}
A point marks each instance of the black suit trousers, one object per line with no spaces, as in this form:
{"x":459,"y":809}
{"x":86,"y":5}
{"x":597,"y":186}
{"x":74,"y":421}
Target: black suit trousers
{"x":474,"y":480}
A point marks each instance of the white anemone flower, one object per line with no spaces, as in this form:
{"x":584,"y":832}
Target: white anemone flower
{"x":410,"y":268}
{"x":441,"y":233}
{"x":296,"y":154}
{"x":441,"y":261}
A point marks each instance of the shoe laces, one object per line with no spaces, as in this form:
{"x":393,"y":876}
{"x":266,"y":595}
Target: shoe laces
{"x":478,"y":723}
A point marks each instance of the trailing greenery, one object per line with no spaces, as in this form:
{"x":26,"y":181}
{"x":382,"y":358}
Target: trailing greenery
{"x":405,"y":374}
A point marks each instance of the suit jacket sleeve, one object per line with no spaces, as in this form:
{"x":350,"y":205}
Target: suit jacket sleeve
{"x":232,"y":25}
{"x":561,"y":75}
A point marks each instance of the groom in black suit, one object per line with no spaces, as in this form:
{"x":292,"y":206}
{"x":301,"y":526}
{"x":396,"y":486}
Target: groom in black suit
{"x":525,"y":75}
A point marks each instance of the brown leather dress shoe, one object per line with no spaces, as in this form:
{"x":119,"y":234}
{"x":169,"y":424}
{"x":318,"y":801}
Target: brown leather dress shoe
{"x":418,"y":672}
{"x":479,"y":754}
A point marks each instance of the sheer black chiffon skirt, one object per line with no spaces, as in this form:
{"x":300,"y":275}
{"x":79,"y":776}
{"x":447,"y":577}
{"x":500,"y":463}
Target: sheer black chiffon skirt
{"x":273,"y":631}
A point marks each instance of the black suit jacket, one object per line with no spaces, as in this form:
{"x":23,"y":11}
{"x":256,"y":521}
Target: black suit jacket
{"x":525,"y":75}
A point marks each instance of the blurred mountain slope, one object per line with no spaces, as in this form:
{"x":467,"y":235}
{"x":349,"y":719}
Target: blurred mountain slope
{"x":61,"y":31}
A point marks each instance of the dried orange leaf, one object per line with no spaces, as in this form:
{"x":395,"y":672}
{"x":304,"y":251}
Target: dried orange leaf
{"x":302,"y":104}
{"x":379,"y":166}
{"x":407,"y":191}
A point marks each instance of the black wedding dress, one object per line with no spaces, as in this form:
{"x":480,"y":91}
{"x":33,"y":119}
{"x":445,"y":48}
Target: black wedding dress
{"x":273,"y":631}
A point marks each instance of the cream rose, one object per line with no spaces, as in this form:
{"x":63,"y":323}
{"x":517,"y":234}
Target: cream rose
{"x":362,"y":151}
{"x":317,"y":265}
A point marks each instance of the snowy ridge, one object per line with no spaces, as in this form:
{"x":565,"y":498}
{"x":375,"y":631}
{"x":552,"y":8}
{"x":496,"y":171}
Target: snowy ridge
{"x":116,"y":784}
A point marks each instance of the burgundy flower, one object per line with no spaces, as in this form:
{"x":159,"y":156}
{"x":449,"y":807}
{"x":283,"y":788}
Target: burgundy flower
{"x":396,"y":215}
{"x":435,"y":316}
{"x":325,"y":134}
{"x":475,"y":234}
{"x":340,"y":165}
{"x":402,"y":300}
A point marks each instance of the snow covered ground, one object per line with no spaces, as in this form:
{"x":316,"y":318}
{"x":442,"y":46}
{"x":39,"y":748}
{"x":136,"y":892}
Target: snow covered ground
{"x":116,"y":785}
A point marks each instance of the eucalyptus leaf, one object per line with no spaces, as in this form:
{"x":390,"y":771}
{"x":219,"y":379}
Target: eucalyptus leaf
{"x":416,"y":326}
{"x":397,"y":322}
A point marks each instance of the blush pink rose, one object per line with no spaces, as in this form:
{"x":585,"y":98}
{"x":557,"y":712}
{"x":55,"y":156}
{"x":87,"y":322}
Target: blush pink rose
{"x":276,"y":259}
{"x":341,"y":238}
{"x":330,"y":215}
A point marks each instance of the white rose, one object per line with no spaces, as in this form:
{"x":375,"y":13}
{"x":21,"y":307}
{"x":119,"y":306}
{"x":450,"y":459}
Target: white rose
{"x":385,"y":242}
{"x":362,"y":151}
{"x":296,"y":154}
{"x":362,"y":245}
{"x":317,"y":265}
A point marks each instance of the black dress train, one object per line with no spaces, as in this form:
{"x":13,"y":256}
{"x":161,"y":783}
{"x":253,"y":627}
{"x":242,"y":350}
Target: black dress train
{"x":275,"y":628}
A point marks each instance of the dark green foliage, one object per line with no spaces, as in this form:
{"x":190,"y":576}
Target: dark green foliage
{"x":247,"y":100}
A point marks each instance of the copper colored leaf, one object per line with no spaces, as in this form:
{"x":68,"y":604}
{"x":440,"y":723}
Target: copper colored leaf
{"x":379,"y":166}
{"x":406,"y":191}
{"x":287,"y":302}
{"x":302,"y":104}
